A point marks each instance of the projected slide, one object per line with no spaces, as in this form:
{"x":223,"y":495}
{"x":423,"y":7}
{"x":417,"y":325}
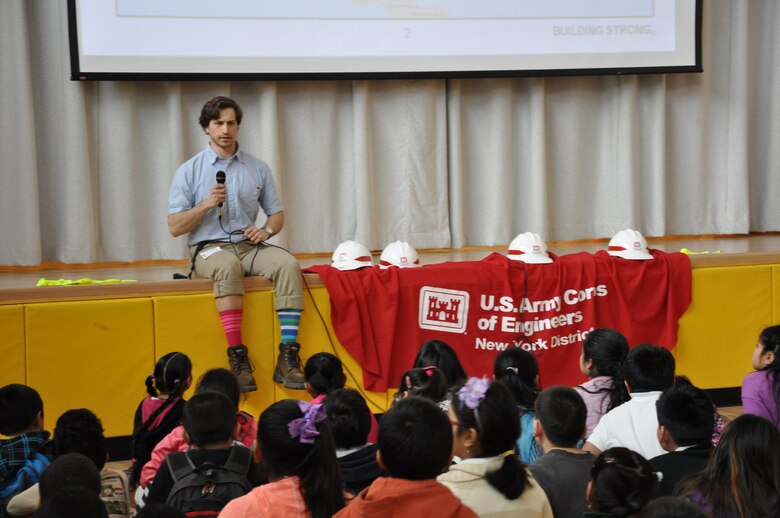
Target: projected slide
{"x":381,"y":9}
{"x":363,"y":37}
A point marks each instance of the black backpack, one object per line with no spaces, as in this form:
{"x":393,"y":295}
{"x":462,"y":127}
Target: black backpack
{"x":204,"y":490}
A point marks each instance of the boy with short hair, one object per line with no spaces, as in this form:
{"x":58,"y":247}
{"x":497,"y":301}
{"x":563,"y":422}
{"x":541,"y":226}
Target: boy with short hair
{"x":25,"y":452}
{"x":564,"y":470}
{"x":80,"y":431}
{"x":648,"y":370}
{"x":685,"y":422}
{"x":415,"y":446}
{"x":350,"y":421}
{"x":210,"y":424}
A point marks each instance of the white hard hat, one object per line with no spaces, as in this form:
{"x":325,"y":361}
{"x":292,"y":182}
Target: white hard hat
{"x":529,"y":248}
{"x":400,"y":254}
{"x":629,"y":244}
{"x":351,"y":255}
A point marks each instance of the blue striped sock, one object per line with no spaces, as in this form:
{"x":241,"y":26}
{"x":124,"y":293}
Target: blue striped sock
{"x":289,"y":322}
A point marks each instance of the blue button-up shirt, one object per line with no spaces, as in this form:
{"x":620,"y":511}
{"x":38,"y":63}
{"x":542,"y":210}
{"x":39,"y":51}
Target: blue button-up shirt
{"x":250,"y":187}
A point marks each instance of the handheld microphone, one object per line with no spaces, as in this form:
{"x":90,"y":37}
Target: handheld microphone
{"x":221,"y":181}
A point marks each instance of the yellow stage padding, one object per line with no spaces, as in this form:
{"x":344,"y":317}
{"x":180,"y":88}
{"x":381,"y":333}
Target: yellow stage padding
{"x":731,"y":305}
{"x":90,"y":354}
{"x":776,"y":294}
{"x":190,"y":324}
{"x":12,"y":345}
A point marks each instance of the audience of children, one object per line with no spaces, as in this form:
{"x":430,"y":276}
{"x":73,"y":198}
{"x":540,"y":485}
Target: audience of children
{"x":415,"y":446}
{"x":25,"y":452}
{"x":601,"y":360}
{"x":685,"y":421}
{"x":761,"y":389}
{"x":622,"y":483}
{"x":318,"y":457}
{"x":219,"y":380}
{"x":564,"y":470}
{"x":324,"y":373}
{"x":427,"y":382}
{"x":490,"y":478}
{"x":742,"y":476}
{"x":80,"y":431}
{"x":648,"y":370}
{"x":440,"y":355}
{"x":210,"y":424}
{"x":161,"y":411}
{"x":519,"y":371}
{"x":350,"y":420}
{"x":295,"y":445}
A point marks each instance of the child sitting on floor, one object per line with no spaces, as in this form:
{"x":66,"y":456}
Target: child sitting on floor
{"x":761,"y":389}
{"x":415,"y":446}
{"x":159,"y":412}
{"x":25,"y":452}
{"x":490,"y":479}
{"x":295,"y":445}
{"x":351,"y":421}
{"x":215,"y":463}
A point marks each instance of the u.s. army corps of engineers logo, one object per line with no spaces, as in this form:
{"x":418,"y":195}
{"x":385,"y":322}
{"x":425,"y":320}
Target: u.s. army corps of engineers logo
{"x":442,"y":309}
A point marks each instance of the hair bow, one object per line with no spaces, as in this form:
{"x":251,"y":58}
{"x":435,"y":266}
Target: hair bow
{"x":473,"y":392}
{"x":306,"y":427}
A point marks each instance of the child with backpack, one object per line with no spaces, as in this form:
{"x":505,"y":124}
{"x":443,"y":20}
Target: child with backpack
{"x":161,"y":411}
{"x":219,"y":380}
{"x":295,"y":445}
{"x":200,"y":482}
{"x":25,"y":452}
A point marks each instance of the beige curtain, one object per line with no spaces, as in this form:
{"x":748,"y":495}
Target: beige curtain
{"x":86,"y":166}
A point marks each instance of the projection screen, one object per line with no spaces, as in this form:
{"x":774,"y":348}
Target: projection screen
{"x":322,"y":39}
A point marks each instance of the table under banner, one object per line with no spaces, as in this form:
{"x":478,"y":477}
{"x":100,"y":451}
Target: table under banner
{"x":483,"y":307}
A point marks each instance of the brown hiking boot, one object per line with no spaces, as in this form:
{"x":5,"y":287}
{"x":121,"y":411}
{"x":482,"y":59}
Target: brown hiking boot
{"x":288,"y":367}
{"x":238,"y":356}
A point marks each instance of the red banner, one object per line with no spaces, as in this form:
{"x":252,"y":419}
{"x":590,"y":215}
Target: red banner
{"x":483,"y":307}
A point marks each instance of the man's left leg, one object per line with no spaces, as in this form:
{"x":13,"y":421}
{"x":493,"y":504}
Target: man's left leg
{"x":285,"y":272}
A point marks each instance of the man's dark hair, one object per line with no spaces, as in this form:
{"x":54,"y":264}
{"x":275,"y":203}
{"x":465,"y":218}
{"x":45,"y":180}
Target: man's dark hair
{"x":211,"y":109}
{"x":19,"y":406}
{"x":209,"y":418}
{"x":71,"y":469}
{"x":688,"y":414}
{"x":349,"y":418}
{"x":415,"y":439}
{"x":649,"y":368}
{"x":80,"y":431}
{"x":72,"y":502}
{"x":562,"y":413}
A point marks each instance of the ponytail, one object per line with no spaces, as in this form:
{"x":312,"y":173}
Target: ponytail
{"x":510,"y":479}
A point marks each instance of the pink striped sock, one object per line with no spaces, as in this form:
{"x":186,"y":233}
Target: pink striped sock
{"x":231,"y":323}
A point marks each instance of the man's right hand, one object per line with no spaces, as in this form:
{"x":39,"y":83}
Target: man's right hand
{"x":217,"y":195}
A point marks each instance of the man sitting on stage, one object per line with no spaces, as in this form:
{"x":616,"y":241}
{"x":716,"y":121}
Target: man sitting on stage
{"x":215,"y":197}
